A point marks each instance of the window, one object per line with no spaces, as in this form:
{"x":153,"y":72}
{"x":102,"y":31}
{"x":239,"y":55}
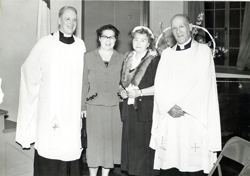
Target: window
{"x":226,"y":20}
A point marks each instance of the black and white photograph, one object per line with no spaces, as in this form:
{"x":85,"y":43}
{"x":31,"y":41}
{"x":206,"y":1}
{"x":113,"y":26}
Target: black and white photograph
{"x":124,"y":88}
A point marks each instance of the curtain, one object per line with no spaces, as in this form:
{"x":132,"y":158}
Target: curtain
{"x":1,"y":5}
{"x":243,"y":59}
{"x":194,"y":9}
{"x":43,"y":21}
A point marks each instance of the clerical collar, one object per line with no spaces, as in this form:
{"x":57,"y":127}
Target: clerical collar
{"x":184,"y":46}
{"x":66,"y":40}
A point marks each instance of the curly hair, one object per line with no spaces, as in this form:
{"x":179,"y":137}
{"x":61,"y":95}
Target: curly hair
{"x":107,"y":27}
{"x":151,"y":40}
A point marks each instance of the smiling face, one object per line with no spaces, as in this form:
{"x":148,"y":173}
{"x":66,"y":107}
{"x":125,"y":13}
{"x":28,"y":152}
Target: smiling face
{"x":68,"y":21}
{"x":181,"y":29}
{"x":140,"y":42}
{"x":107,"y":39}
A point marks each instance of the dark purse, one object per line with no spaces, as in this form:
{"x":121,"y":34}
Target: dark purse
{"x":84,"y":133}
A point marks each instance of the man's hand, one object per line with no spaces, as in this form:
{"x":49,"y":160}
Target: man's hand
{"x":176,"y":112}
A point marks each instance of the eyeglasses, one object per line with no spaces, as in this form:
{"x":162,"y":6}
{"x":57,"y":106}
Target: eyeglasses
{"x":112,"y":38}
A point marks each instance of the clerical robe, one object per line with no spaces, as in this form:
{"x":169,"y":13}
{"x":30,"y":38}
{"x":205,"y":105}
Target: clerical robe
{"x":187,"y":79}
{"x":49,"y":113}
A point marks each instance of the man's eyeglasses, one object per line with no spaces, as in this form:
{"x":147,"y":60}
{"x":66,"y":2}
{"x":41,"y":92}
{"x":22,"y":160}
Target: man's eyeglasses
{"x":112,"y":38}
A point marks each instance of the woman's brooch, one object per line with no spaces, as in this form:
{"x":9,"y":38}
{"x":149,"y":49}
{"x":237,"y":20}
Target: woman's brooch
{"x":153,"y":53}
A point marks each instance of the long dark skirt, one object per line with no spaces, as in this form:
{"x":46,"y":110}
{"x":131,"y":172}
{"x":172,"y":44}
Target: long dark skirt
{"x":137,"y":156}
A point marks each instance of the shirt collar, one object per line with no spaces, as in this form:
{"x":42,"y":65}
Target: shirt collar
{"x":184,"y":46}
{"x":66,"y":40}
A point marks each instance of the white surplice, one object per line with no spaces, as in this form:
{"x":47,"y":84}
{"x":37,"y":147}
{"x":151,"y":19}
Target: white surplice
{"x":49,"y":113}
{"x":186,"y":78}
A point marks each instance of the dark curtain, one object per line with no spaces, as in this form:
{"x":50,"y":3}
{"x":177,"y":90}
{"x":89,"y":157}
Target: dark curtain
{"x":243,"y":59}
{"x":194,"y":9}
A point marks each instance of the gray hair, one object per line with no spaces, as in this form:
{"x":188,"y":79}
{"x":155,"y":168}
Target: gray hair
{"x":61,"y":11}
{"x":181,"y":15}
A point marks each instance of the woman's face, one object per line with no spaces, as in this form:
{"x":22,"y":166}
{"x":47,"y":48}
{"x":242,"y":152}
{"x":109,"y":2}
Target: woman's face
{"x":140,"y":42}
{"x":107,"y":39}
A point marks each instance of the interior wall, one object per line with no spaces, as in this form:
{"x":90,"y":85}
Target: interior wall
{"x":17,"y":37}
{"x":18,"y":24}
{"x":124,"y":15}
{"x":162,"y":12}
{"x":92,"y":22}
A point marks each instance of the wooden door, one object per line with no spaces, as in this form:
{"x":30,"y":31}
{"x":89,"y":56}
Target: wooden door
{"x":124,"y":15}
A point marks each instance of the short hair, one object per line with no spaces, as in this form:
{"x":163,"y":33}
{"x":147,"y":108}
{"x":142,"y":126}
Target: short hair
{"x":62,"y":10}
{"x":107,"y":27}
{"x":143,"y":31}
{"x":181,"y":15}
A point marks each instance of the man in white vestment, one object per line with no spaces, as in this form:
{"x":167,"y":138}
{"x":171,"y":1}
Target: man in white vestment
{"x":186,"y":124}
{"x":49,"y":113}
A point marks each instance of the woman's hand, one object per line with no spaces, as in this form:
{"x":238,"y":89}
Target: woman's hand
{"x":134,"y":93}
{"x":123,"y":93}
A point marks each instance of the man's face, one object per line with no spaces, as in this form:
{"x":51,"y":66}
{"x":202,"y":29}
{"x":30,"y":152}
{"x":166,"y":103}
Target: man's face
{"x":68,"y":21}
{"x":181,"y":29}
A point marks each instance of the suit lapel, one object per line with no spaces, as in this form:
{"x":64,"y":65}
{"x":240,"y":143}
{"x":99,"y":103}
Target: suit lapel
{"x":112,"y":61}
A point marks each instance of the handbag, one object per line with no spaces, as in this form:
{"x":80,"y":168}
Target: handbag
{"x":84,"y":133}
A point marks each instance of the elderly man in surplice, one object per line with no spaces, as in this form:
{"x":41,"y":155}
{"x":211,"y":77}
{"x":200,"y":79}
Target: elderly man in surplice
{"x":186,"y":123}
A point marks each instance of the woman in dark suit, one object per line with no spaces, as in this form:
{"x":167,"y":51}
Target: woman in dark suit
{"x":101,"y":102}
{"x":137,"y":82}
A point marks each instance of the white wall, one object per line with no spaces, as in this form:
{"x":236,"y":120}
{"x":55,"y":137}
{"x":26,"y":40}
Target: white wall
{"x":18,"y":22}
{"x":17,"y":37}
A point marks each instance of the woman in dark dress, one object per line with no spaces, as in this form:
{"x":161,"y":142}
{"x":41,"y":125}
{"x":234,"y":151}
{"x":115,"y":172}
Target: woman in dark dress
{"x":137,"y":89}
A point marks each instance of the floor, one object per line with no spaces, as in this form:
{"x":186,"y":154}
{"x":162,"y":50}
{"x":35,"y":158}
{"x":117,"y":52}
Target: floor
{"x":13,"y":160}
